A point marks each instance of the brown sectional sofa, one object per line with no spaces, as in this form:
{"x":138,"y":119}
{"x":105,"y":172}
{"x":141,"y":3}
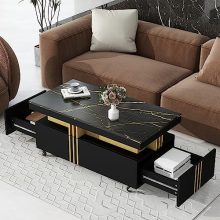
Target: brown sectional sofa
{"x":163,"y":66}
{"x":198,"y":102}
{"x":164,"y":57}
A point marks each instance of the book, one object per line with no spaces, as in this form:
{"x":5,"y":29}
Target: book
{"x":176,"y":174}
{"x":83,"y":94}
{"x":34,"y":117}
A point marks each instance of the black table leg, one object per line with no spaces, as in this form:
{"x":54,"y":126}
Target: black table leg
{"x":44,"y":153}
{"x":134,"y":191}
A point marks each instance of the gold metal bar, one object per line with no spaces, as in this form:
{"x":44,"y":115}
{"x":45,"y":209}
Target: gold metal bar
{"x":70,"y":158}
{"x":113,"y":142}
{"x":200,"y":167}
{"x":200,"y":175}
{"x":73,"y":143}
{"x":154,"y":145}
{"x":70,"y":141}
{"x":195,"y":179}
{"x":79,"y":132}
{"x":197,"y":185}
{"x":57,"y":121}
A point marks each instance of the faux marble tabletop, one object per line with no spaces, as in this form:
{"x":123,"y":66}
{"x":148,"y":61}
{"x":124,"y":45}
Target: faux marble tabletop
{"x":138,"y":125}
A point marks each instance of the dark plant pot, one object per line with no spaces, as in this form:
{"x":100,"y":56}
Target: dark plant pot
{"x":37,"y":55}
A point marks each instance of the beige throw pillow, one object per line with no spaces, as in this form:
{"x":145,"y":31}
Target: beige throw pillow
{"x":210,"y":72}
{"x":114,"y":30}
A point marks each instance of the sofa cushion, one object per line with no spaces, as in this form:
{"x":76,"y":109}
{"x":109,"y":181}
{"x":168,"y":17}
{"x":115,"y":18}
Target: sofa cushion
{"x":111,"y":32}
{"x":205,"y":51}
{"x":196,"y":101}
{"x":210,"y":72}
{"x":144,"y":79}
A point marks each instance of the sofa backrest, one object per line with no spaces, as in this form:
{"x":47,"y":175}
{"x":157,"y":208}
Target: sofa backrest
{"x":61,"y":44}
{"x":169,"y":45}
{"x":205,"y":51}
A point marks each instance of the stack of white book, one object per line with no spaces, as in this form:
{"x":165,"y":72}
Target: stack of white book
{"x":82,"y":93}
{"x":173,"y":163}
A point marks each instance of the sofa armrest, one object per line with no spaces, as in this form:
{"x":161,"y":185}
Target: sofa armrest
{"x":205,"y":51}
{"x":61,"y":44}
{"x":169,"y":45}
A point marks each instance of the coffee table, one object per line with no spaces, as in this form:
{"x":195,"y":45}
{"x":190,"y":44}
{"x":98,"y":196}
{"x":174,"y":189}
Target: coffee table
{"x":124,"y":150}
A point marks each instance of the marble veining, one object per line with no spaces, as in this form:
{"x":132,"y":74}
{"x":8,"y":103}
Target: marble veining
{"x":199,"y":16}
{"x":138,"y":120}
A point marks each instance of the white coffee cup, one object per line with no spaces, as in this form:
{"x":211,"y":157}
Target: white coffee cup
{"x":74,"y":87}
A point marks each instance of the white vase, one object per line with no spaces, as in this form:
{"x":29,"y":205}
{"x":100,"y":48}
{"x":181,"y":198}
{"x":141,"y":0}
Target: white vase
{"x":113,"y":113}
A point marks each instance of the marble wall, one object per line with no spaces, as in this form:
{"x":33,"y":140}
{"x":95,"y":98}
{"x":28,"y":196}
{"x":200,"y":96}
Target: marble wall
{"x":199,"y":16}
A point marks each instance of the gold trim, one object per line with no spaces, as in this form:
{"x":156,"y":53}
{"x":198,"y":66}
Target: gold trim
{"x":70,"y":159}
{"x":195,"y":178}
{"x":113,"y":142}
{"x":76,"y":132}
{"x":155,"y":145}
{"x":73,"y":144}
{"x":77,"y":151}
{"x":59,"y":122}
{"x":79,"y":133}
{"x":200,"y":175}
{"x":200,"y":178}
{"x":70,"y":133}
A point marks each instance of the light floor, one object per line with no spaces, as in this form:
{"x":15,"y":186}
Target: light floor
{"x":19,"y":27}
{"x":18,"y":205}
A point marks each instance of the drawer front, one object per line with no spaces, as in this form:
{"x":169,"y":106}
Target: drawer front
{"x":52,"y":138}
{"x":192,"y":180}
{"x":201,"y":171}
{"x":208,"y":167}
{"x":98,"y":156}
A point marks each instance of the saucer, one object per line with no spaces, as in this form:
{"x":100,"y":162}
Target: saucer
{"x":75,"y":92}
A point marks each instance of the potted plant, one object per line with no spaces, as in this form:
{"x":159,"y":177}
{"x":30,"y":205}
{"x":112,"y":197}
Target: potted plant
{"x":46,"y":11}
{"x":113,"y":95}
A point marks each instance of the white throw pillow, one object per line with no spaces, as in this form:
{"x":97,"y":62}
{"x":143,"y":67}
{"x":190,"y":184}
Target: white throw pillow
{"x":114,"y":30}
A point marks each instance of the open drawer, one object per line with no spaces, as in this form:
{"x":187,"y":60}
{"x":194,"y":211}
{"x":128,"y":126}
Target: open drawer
{"x":15,"y":118}
{"x":188,"y":183}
